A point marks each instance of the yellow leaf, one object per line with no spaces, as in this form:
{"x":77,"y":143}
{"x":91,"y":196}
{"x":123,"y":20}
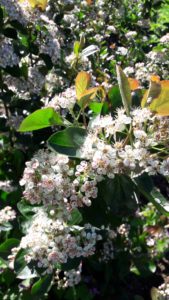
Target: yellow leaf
{"x":152,"y":93}
{"x":154,"y":294}
{"x":37,"y":3}
{"x":157,"y":96}
{"x":160,"y":104}
{"x":82,"y":83}
{"x":134,"y":84}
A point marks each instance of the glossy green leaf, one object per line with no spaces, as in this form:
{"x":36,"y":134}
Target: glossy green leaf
{"x":68,"y":141}
{"x":42,"y":285}
{"x":76,"y":217}
{"x":6,"y":247}
{"x":39,"y":119}
{"x":146,"y":187}
{"x":20,"y":263}
{"x":115,"y":98}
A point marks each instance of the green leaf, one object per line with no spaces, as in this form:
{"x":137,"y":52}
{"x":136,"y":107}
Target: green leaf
{"x":154,"y":294}
{"x":25,"y":209}
{"x":68,"y":141}
{"x":42,"y":285}
{"x":76,"y":48}
{"x":20,"y":263}
{"x":39,"y":119}
{"x":6,"y":247}
{"x":96,"y":107}
{"x":115,"y":97}
{"x":124,"y":89}
{"x":76,"y":217}
{"x":146,"y":187}
{"x":152,"y":266}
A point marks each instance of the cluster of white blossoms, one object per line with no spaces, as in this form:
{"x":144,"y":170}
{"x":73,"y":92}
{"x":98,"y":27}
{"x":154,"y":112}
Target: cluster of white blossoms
{"x":163,"y":291}
{"x":68,"y":278}
{"x":65,"y":100}
{"x":7,"y":214}
{"x":48,"y":42}
{"x":109,"y":154}
{"x":8,"y":58}
{"x":53,"y":242}
{"x":7,"y":186}
{"x":53,"y":179}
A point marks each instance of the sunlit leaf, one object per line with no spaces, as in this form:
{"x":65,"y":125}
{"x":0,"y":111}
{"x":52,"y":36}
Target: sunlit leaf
{"x":154,"y":293}
{"x":76,"y":48}
{"x":157,"y":97}
{"x":152,"y":93}
{"x":42,"y":4}
{"x":87,"y":96}
{"x":82,"y":83}
{"x":39,"y":119}
{"x":160,"y":105}
{"x":155,"y":78}
{"x":124,"y":89}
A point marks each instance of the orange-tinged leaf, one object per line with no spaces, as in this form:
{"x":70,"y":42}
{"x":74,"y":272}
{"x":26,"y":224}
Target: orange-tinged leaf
{"x":88,"y":95}
{"x":155,"y":78}
{"x":89,"y":2}
{"x":82,"y":83}
{"x":134,"y":84}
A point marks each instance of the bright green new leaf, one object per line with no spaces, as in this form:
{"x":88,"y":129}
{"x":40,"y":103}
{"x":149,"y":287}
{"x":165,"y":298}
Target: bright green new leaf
{"x":76,"y":48}
{"x":39,"y":119}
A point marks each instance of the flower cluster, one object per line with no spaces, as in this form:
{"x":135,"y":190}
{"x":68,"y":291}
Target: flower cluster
{"x":8,"y":58}
{"x":163,"y":291}
{"x":68,"y":278}
{"x":7,"y":214}
{"x":65,"y":100}
{"x":111,"y":155}
{"x":50,"y":179}
{"x":53,"y":242}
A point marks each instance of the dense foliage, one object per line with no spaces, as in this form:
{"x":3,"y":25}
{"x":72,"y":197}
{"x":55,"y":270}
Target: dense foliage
{"x":84,"y":157}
